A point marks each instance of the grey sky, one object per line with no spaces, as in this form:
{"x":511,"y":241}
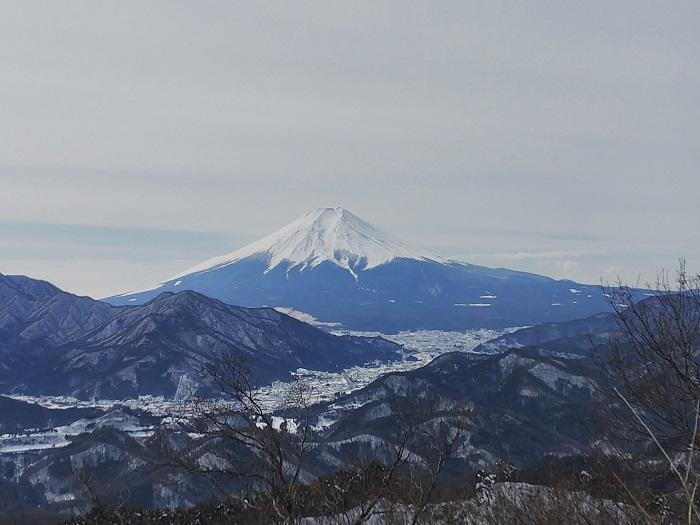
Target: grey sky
{"x":137,"y":138}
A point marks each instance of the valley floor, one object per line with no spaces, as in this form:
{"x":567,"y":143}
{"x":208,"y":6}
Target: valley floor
{"x":425,"y":345}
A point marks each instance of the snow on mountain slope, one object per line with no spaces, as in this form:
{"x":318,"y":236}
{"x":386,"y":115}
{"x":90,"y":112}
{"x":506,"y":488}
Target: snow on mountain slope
{"x":342,"y":271}
{"x":324,"y":234}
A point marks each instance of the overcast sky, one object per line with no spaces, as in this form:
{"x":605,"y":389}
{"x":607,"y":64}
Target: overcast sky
{"x":138,"y":138}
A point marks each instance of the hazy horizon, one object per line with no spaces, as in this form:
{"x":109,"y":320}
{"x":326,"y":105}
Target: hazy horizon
{"x":140,"y":139}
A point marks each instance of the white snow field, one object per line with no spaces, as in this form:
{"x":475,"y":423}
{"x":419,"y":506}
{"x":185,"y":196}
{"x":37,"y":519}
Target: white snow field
{"x":324,"y":386}
{"x":323,"y":235}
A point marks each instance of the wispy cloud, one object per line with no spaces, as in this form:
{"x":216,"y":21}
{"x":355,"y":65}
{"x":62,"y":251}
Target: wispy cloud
{"x":103,"y":260}
{"x":520,"y":256}
{"x":35,"y":235}
{"x":504,"y":150}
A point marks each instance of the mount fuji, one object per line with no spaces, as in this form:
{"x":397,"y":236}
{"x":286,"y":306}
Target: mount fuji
{"x":335,"y":269}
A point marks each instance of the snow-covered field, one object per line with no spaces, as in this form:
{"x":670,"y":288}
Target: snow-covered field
{"x":156,"y":405}
{"x":426,"y":345}
{"x":323,"y":386}
{"x":60,"y":436}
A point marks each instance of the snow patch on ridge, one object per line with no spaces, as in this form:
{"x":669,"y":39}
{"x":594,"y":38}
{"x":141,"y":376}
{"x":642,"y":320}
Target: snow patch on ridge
{"x":304,"y":317}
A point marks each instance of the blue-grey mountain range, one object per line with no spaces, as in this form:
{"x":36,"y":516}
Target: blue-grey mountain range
{"x":56,"y":343}
{"x":331,"y":266}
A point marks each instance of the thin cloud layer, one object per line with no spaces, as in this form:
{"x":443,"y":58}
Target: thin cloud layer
{"x":468,"y":128}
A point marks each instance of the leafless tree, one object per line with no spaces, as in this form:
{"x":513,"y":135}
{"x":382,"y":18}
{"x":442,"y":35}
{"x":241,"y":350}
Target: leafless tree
{"x":653,"y":390}
{"x":400,"y":482}
{"x":526,"y":504}
{"x":440,"y":438}
{"x":237,"y":439}
{"x":240,"y":443}
{"x":87,"y":480}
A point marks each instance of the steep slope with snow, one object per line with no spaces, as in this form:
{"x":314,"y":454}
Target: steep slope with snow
{"x":323,"y":235}
{"x":521,"y":405}
{"x":333,"y":266}
{"x":55,"y":343}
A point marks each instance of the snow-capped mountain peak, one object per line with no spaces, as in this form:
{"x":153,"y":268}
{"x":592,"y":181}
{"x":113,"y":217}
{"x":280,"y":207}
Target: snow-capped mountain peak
{"x":332,"y":268}
{"x":323,"y":235}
